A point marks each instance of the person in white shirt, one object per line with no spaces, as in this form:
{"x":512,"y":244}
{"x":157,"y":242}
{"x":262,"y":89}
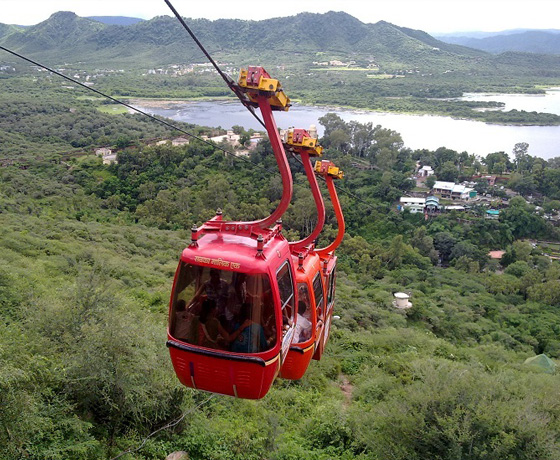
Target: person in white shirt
{"x":303,"y":325}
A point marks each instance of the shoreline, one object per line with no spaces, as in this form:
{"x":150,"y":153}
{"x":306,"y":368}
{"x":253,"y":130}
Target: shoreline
{"x":171,"y":103}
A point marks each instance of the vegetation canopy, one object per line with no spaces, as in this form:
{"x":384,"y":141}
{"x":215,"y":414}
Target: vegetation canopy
{"x":88,"y":251}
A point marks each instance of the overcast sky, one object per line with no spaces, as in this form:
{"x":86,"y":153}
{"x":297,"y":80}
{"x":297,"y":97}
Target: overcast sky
{"x":429,"y":15}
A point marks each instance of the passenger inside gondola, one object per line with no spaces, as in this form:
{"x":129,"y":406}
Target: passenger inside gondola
{"x":211,"y":333}
{"x":252,"y":338}
{"x":216,"y":289}
{"x":182,"y":322}
{"x":303,"y":325}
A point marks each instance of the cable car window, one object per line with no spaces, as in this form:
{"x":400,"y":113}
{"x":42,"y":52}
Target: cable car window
{"x":303,"y":323}
{"x":319,"y":297}
{"x":330,"y":295}
{"x":223,"y":310}
{"x":286,"y":288}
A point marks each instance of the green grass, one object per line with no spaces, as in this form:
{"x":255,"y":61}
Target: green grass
{"x":385,"y":76}
{"x":113,"y":109}
{"x":343,"y":69}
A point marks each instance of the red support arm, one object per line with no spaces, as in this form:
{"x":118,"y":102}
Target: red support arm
{"x":267,"y":94}
{"x":281,"y":160}
{"x":319,"y":203}
{"x":324,"y":252}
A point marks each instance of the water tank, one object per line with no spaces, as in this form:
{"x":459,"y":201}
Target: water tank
{"x":401,"y":300}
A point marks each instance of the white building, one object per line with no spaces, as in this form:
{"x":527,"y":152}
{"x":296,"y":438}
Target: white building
{"x":452,"y":190}
{"x":107,"y":155}
{"x":179,"y":141}
{"x":425,"y":171}
{"x":454,"y":208}
{"x":413,"y":204}
{"x":231,"y":138}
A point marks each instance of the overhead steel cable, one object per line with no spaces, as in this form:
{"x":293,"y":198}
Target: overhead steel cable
{"x":163,"y":122}
{"x":232,"y":85}
{"x":169,"y":125}
{"x":159,"y":120}
{"x":229,"y":81}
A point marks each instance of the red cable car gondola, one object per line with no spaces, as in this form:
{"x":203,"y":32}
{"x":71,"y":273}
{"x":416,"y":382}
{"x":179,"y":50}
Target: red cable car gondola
{"x":309,"y":328}
{"x":233,"y":304}
{"x":314,"y":279}
{"x":330,"y":172}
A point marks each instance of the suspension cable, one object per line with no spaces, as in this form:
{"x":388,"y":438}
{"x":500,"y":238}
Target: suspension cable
{"x":229,"y":81}
{"x":159,"y":120}
{"x":169,"y":125}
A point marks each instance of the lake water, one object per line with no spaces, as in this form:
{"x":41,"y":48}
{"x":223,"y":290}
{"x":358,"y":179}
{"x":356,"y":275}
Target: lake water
{"x":417,"y":131}
{"x":548,"y":103}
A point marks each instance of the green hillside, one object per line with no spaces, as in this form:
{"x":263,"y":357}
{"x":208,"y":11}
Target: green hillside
{"x":87,"y":257}
{"x":88,"y":252}
{"x":290,"y":41}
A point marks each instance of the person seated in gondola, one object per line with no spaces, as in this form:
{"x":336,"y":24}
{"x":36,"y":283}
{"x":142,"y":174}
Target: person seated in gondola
{"x":251,"y":338}
{"x":216,"y":289}
{"x":211,"y":333}
{"x":237,"y":296}
{"x":303,"y":325}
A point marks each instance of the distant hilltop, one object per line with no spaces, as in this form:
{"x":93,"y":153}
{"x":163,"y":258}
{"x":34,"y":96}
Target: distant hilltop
{"x":304,"y":41}
{"x":116,"y":20}
{"x":522,"y":40}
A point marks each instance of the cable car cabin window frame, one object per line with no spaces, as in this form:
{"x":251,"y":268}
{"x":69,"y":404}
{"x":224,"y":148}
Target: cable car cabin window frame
{"x":331,"y":288}
{"x":189,"y":286}
{"x":319,"y":296}
{"x":282,"y":285}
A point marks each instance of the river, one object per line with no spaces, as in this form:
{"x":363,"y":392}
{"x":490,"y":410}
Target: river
{"x":417,"y":131}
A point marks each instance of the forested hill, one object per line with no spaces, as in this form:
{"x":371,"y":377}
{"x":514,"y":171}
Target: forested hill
{"x":301,"y":39}
{"x":116,"y":20}
{"x":535,"y":41}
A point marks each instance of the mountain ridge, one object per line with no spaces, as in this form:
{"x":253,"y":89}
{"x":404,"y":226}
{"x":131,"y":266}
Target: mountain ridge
{"x":296,"y":40}
{"x":526,"y":41}
{"x":116,"y":20}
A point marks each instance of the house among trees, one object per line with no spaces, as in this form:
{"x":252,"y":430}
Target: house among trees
{"x":413,"y":204}
{"x":425,"y":171}
{"x":179,"y":141}
{"x":254,"y":140}
{"x":432,"y":205}
{"x":107,"y":155}
{"x":429,"y":206}
{"x":230,"y":137}
{"x":492,"y":214}
{"x":453,"y":191}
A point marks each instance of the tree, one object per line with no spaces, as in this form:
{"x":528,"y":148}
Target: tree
{"x":444,"y":242}
{"x":547,"y":293}
{"x":551,"y":206}
{"x":523,"y":184}
{"x":394,"y":255}
{"x":469,"y":250}
{"x":338,"y":139}
{"x":497,"y":162}
{"x":521,"y":158}
{"x":518,"y":269}
{"x":425,"y":244}
{"x":430,"y":181}
{"x":443,"y":155}
{"x":448,"y":172}
{"x":522,"y":221}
